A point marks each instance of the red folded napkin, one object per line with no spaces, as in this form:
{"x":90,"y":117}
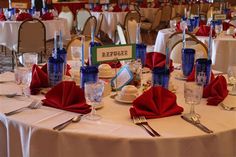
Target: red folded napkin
{"x":98,"y":8}
{"x":2,"y":17}
{"x":143,"y":5}
{"x":156,"y":102}
{"x":204,"y":31}
{"x":47,"y":16}
{"x":226,"y":26}
{"x":156,"y":59}
{"x":117,"y":8}
{"x":114,"y":64}
{"x":24,"y":16}
{"x":67,"y":96}
{"x":216,"y":91}
{"x":191,"y":77}
{"x":178,"y":28}
{"x":127,"y":8}
{"x":39,"y":80}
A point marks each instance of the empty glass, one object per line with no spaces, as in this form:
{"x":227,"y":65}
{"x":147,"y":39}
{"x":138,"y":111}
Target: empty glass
{"x":160,"y":77}
{"x":188,"y":56}
{"x":232,"y":78}
{"x":93,"y":94}
{"x":173,"y":25}
{"x":218,"y":27}
{"x":203,"y":71}
{"x":192,"y":94}
{"x":29,"y":59}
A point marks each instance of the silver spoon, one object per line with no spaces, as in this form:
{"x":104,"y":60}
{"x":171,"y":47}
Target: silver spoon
{"x":65,"y":124}
{"x":228,"y":108}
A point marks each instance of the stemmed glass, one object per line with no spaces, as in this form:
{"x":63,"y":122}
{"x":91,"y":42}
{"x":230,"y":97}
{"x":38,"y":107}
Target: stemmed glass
{"x":76,"y":52}
{"x":192,"y":94}
{"x":93,"y":95}
{"x":232,"y":79}
{"x":29,"y":59}
{"x":172,"y":25}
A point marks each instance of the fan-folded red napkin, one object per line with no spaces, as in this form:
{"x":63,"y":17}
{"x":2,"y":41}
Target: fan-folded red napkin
{"x":156,"y":102}
{"x":216,"y":91}
{"x":157,"y":5}
{"x":39,"y":79}
{"x":226,"y":25}
{"x":117,"y":8}
{"x":156,"y":59}
{"x":24,"y":16}
{"x":67,"y":96}
{"x":204,"y":31}
{"x":143,"y":5}
{"x":127,"y":8}
{"x":114,"y":64}
{"x":98,"y":8}
{"x":191,"y":77}
{"x":2,"y":17}
{"x":47,"y":16}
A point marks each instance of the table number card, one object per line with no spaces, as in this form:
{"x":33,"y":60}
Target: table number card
{"x":122,"y":78}
{"x":112,"y":53}
{"x":219,"y":17}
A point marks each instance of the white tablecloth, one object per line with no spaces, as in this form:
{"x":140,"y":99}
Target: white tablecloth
{"x":110,"y":20}
{"x":30,"y":134}
{"x":223,"y":48}
{"x":9,"y":31}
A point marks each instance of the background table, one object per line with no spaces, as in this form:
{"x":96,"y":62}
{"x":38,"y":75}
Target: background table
{"x":9,"y":31}
{"x":30,"y":133}
{"x":223,"y":53}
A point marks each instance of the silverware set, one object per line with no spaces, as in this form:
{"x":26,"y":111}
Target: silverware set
{"x":142,"y":122}
{"x":228,"y":108}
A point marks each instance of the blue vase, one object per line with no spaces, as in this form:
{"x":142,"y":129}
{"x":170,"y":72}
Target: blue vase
{"x":88,"y":74}
{"x":188,"y":56}
{"x":203,"y":71}
{"x":160,"y":77}
{"x":141,"y":52}
{"x":55,"y":68}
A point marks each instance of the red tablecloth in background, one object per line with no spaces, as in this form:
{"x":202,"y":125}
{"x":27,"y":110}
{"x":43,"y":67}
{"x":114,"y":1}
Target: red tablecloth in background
{"x":73,"y":6}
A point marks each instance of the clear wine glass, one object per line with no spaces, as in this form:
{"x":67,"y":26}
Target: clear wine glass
{"x":192,"y":94}
{"x":93,"y":95}
{"x":173,"y":25}
{"x":76,"y":53}
{"x":29,"y":59}
{"x":232,"y":78}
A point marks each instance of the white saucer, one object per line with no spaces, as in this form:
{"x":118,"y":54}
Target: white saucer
{"x":117,"y":98}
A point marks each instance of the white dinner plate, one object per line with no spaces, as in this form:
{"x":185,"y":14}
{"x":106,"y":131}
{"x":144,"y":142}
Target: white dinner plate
{"x":117,"y":98}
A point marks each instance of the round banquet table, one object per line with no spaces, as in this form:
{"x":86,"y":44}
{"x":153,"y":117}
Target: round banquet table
{"x":223,"y":53}
{"x":110,"y":20}
{"x":30,"y":133}
{"x":9,"y":31}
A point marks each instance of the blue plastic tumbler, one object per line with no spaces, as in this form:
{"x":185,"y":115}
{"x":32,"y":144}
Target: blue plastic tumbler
{"x":141,"y":52}
{"x":191,"y":25}
{"x":196,"y":21}
{"x":32,"y":11}
{"x":55,"y":67}
{"x":160,"y":77}
{"x":91,"y":46}
{"x":203,"y":71}
{"x":88,"y":74}
{"x":188,"y":56}
{"x":61,"y":53}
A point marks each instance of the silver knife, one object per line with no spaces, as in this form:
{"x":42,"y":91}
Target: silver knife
{"x":196,"y":122}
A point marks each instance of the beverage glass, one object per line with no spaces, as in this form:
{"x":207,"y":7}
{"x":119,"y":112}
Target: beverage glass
{"x":88,"y":74}
{"x":141,"y":52}
{"x":203,"y":71}
{"x":188,"y":56}
{"x":172,"y":25}
{"x":29,"y":59}
{"x":160,"y":77}
{"x":192,"y":94}
{"x":232,"y":78}
{"x":93,"y":94}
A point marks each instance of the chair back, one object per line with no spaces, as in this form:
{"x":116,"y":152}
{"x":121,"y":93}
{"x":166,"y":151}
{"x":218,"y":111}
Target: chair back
{"x":166,"y":13}
{"x":195,"y":9}
{"x":121,"y":34}
{"x":132,"y":15}
{"x":91,"y":21}
{"x":77,"y":41}
{"x":204,"y":7}
{"x":157,"y":20}
{"x":200,"y":49}
{"x":68,"y":15}
{"x":82,"y":16}
{"x":99,"y":24}
{"x":32,"y":37}
{"x":131,"y":31}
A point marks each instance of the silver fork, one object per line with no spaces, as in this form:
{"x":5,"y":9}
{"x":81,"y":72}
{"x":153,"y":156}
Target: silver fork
{"x":137,"y":121}
{"x":143,"y":120}
{"x":35,"y":104}
{"x":228,"y":108}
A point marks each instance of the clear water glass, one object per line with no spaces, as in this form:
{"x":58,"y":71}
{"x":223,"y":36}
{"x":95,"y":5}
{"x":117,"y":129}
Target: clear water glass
{"x":218,"y":28}
{"x":192,"y":94}
{"x":172,"y":25}
{"x":29,"y":59}
{"x":76,"y":54}
{"x":232,"y":78}
{"x":23,"y":77}
{"x":93,"y":94}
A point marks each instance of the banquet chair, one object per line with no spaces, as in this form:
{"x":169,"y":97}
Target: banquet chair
{"x":166,"y":15}
{"x":91,"y":21}
{"x":78,"y":42}
{"x":194,"y":9}
{"x":176,"y":50}
{"x":28,"y":43}
{"x":99,"y":24}
{"x":132,"y":31}
{"x":152,"y":26}
{"x":204,"y":8}
{"x":121,"y":34}
{"x":132,"y":15}
{"x":82,"y":16}
{"x":68,"y":15}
